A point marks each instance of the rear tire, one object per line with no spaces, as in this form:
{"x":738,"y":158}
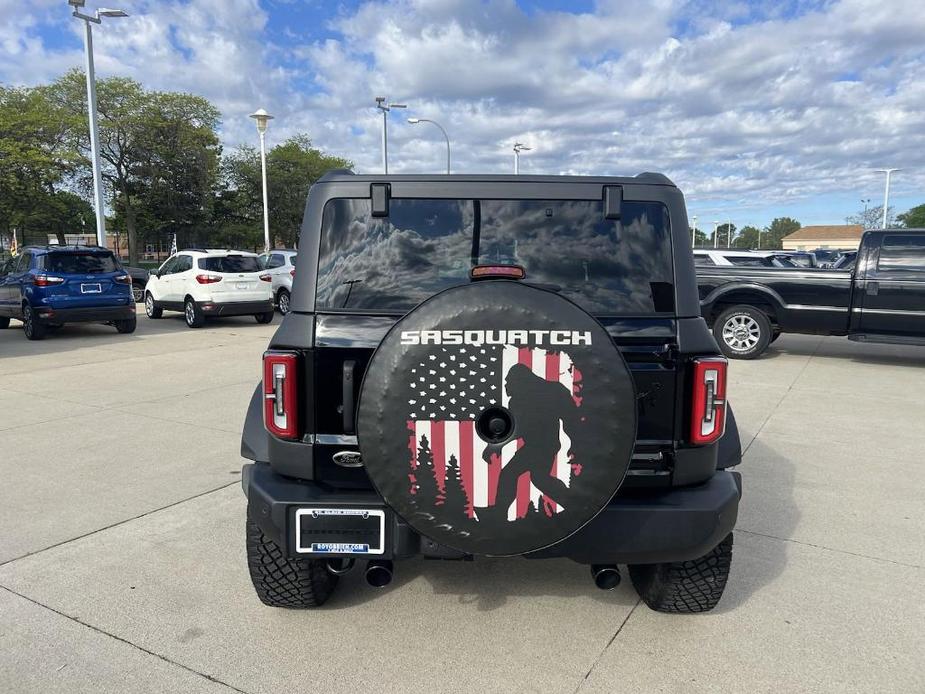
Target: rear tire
{"x":264,"y":318}
{"x":743,"y":332}
{"x":193,"y":314}
{"x":126,"y":326}
{"x":685,"y":587}
{"x":4,"y":323}
{"x":32,"y":327}
{"x":282,"y":300}
{"x":283,"y":582}
{"x":152,"y":310}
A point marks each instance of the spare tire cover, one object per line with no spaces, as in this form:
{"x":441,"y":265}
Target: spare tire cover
{"x":497,"y":418}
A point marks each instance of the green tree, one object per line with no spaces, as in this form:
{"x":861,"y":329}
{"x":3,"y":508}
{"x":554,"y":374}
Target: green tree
{"x":914,"y":218}
{"x":37,"y":159}
{"x":748,"y":237}
{"x":725,"y":233}
{"x":159,"y":152}
{"x":777,"y":230}
{"x":870,"y":217}
{"x":292,"y":167}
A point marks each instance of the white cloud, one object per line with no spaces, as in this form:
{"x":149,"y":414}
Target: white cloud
{"x":743,"y":106}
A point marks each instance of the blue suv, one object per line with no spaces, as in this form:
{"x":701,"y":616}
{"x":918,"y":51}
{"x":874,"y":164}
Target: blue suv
{"x":47,"y":286}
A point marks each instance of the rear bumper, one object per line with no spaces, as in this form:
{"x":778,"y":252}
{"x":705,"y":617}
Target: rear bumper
{"x":674,"y":525}
{"x":95,"y":314}
{"x":236,"y":308}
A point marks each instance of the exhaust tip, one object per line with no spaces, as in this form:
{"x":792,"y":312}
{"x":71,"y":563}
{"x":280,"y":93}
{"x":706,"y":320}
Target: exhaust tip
{"x":606,"y":576}
{"x":379,"y":573}
{"x":339,"y":567}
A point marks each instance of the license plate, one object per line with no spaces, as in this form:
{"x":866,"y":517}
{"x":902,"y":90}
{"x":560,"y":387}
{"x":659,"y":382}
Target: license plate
{"x":240,"y":285}
{"x":90,"y":288}
{"x":339,"y":531}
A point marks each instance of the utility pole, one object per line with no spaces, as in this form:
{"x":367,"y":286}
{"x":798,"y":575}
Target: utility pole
{"x":518,"y":148}
{"x":715,"y":233}
{"x":385,"y":108}
{"x":694,"y":233}
{"x":886,"y":193}
{"x":91,"y":107}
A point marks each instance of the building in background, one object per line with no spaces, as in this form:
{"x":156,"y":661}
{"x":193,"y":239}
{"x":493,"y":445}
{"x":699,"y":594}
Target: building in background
{"x":826,"y":236}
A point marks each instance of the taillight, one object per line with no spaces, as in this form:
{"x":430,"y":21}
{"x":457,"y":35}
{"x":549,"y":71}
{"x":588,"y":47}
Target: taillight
{"x":47,"y":281}
{"x":280,"y":394}
{"x":123,"y":279}
{"x":266,"y":278}
{"x":292,"y":272}
{"x":208,"y":279}
{"x":708,"y":409}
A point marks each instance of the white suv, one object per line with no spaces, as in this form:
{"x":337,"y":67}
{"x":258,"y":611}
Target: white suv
{"x":203,"y":283}
{"x":280,"y":264}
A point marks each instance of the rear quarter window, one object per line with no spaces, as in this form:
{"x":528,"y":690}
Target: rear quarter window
{"x":393,"y":263}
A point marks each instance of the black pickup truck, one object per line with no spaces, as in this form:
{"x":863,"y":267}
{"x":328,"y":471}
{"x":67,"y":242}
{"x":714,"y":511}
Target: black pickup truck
{"x":881,"y":300}
{"x":494,"y":366}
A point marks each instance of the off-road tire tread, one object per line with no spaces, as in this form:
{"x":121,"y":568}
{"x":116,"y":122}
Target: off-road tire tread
{"x":685,"y":587}
{"x":284,"y":582}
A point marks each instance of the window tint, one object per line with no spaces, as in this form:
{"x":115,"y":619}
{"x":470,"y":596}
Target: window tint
{"x":184,"y":263}
{"x":749,"y":261}
{"x":292,"y":260}
{"x":23,"y":261}
{"x":276,"y":260}
{"x":230,"y":263}
{"x":902,"y":252}
{"x":80,"y":263}
{"x":169,"y":266}
{"x":424,"y":246}
{"x":700,"y":259}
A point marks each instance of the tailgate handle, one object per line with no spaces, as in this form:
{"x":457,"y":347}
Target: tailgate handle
{"x":348,"y":408}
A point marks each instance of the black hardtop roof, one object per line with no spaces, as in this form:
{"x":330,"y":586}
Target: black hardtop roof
{"x":347,"y":176}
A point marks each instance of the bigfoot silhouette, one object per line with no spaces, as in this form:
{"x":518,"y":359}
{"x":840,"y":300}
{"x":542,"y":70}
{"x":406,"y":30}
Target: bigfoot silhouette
{"x":537,"y":406}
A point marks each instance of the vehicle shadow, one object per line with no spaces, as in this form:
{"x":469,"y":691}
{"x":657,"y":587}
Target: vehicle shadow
{"x":72,"y":336}
{"x":843,"y":348}
{"x":488,"y":582}
{"x":768,"y":516}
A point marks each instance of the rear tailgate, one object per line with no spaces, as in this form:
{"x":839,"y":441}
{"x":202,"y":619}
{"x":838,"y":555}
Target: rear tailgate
{"x":234,"y":277}
{"x":344,"y":345}
{"x":84,"y":280}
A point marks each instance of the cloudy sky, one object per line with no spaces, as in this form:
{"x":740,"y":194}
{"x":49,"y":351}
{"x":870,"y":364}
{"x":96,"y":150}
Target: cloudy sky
{"x":755,"y":109}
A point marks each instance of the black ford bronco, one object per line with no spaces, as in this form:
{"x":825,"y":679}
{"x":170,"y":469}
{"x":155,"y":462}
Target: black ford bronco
{"x":496,"y":366}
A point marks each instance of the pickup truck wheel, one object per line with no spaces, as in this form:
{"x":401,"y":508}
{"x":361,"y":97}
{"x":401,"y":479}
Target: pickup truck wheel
{"x":126,"y":326}
{"x":152,"y":310}
{"x":685,"y":587}
{"x":193,"y":314}
{"x":31,"y":326}
{"x":282,"y":300}
{"x":284,"y":582}
{"x":743,"y":332}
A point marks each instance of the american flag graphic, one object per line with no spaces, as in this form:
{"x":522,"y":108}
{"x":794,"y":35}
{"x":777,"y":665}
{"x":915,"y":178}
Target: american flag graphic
{"x":449,"y":389}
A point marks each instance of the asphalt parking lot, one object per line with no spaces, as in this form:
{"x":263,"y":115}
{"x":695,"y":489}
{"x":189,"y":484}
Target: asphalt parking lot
{"x":122,"y":557}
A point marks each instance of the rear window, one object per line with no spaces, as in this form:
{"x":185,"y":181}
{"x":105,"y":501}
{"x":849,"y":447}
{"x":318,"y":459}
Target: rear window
{"x":80,"y":263}
{"x":424,"y":246}
{"x":230,"y":263}
{"x":902,"y":252}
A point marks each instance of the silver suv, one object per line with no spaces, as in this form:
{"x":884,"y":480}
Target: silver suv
{"x":280,"y":265}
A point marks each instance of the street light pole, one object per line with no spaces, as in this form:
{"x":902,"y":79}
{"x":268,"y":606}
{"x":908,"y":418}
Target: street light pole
{"x":415,"y":121}
{"x":715,"y":233}
{"x":263,"y":118}
{"x":518,"y":148}
{"x":694,"y":233}
{"x":91,"y":107}
{"x":385,"y":108}
{"x":886,"y":192}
